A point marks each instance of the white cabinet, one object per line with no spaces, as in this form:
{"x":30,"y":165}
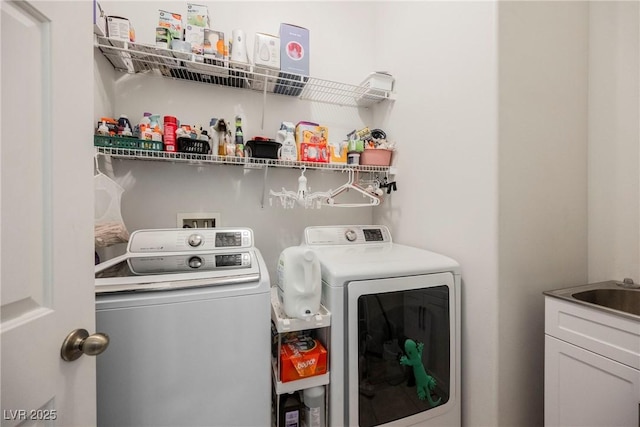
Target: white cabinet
{"x":588,"y":380}
{"x":585,"y":389}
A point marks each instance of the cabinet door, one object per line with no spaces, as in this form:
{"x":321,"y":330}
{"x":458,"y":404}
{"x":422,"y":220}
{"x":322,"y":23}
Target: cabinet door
{"x":585,"y":389}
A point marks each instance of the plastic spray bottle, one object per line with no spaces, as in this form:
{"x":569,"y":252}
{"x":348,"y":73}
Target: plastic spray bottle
{"x":285,"y":136}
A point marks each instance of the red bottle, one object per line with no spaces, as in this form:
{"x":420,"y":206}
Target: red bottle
{"x":170,"y":127}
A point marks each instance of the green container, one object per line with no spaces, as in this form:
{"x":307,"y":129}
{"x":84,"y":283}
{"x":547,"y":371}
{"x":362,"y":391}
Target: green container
{"x":126,"y":142}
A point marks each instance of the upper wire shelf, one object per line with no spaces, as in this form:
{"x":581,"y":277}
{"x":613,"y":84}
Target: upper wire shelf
{"x":134,"y":58}
{"x":247,"y":162}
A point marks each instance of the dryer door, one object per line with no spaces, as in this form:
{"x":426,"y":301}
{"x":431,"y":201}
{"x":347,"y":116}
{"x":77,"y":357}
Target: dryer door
{"x":395,"y":382}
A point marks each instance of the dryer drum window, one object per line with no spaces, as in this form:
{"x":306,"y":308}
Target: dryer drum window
{"x":392,"y":381}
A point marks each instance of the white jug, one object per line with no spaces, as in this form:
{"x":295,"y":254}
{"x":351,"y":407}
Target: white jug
{"x":299,"y":282}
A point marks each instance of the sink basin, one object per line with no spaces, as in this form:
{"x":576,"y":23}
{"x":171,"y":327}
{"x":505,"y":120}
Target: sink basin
{"x":626,"y":300}
{"x":613,"y":297}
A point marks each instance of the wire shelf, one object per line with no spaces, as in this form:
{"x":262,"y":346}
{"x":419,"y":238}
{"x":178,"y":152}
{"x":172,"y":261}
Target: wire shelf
{"x":134,"y":58}
{"x":246,"y":162}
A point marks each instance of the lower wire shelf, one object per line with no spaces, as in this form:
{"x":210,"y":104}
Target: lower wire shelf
{"x":247,"y":162}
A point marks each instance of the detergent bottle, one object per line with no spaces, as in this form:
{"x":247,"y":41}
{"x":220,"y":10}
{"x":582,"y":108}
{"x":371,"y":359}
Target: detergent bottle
{"x":299,"y":282}
{"x":285,"y":136}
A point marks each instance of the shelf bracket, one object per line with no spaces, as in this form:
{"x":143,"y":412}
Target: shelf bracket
{"x":264,"y":184}
{"x":264,"y":102}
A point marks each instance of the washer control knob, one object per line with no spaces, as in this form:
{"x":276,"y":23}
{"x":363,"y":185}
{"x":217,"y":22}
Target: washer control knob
{"x":195,"y":262}
{"x":351,"y":235}
{"x":195,"y":240}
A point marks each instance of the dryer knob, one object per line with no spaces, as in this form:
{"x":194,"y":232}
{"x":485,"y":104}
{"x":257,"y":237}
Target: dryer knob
{"x":195,"y":240}
{"x":351,"y":235}
{"x":195,"y":262}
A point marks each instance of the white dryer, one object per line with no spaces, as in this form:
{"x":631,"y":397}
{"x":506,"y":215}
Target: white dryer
{"x":381,"y":294}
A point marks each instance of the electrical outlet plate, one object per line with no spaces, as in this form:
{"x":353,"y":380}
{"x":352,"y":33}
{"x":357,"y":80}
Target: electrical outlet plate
{"x":198,"y":220}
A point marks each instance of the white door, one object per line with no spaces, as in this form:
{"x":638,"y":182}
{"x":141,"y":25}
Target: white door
{"x":46,"y":211}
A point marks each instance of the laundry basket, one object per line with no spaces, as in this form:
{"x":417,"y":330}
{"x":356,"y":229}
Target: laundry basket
{"x":194,"y":146}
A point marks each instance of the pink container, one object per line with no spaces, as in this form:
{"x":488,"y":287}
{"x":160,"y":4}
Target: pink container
{"x":376,"y":157}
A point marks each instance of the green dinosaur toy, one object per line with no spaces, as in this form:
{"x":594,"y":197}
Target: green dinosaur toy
{"x":425,"y":383}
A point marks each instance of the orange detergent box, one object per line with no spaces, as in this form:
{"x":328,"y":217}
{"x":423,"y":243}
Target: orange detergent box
{"x":302,"y":357}
{"x":312,"y":140}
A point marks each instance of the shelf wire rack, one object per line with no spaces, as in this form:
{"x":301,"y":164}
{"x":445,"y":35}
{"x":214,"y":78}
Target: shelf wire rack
{"x":134,"y":58}
{"x":246,"y":162}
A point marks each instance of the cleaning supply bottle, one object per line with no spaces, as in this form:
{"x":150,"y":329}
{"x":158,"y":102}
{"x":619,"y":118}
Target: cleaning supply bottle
{"x":290,"y":410}
{"x":170,"y":128}
{"x":142,"y":126}
{"x":223,"y":137}
{"x":285,"y":136}
{"x":239,"y":138}
{"x":123,"y":122}
{"x":155,"y":123}
{"x":314,"y":412}
{"x":103,"y":129}
{"x":214,"y":137}
{"x":126,"y":131}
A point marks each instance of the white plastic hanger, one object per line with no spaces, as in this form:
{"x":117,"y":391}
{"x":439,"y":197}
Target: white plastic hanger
{"x":107,"y":195}
{"x":372,"y":199}
{"x":302,"y":197}
{"x":101,"y":177}
{"x":96,"y":164}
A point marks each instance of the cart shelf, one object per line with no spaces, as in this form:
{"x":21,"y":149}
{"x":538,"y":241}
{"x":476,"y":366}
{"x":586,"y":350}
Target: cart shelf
{"x":287,"y":324}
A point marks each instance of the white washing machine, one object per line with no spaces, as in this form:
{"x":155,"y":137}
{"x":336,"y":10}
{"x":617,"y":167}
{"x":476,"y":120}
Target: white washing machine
{"x":381,"y":294}
{"x":188,"y":316}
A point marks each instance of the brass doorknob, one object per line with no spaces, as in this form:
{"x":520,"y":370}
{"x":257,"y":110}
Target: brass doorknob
{"x":79,"y":342}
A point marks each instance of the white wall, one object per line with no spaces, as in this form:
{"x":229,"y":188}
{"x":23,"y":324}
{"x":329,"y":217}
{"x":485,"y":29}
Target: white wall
{"x":614,"y":135}
{"x":443,"y":55}
{"x":491,"y":122}
{"x":543,"y":52}
{"x":156,"y":191}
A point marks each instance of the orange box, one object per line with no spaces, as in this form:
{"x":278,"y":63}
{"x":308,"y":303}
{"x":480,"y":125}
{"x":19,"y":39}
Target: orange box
{"x":301,"y":358}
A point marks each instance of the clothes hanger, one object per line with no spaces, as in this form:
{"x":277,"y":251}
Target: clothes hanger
{"x":103,"y":180}
{"x":302,"y":197}
{"x":372,"y":199}
{"x":96,"y":164}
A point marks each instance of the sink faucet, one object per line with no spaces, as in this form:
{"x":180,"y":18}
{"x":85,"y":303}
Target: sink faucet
{"x":628,"y":283}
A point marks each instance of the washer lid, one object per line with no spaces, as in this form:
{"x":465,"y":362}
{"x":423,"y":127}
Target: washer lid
{"x":137,"y":272}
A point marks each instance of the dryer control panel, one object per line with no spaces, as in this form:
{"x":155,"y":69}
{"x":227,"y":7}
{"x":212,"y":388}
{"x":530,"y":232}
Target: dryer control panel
{"x":346,"y":235}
